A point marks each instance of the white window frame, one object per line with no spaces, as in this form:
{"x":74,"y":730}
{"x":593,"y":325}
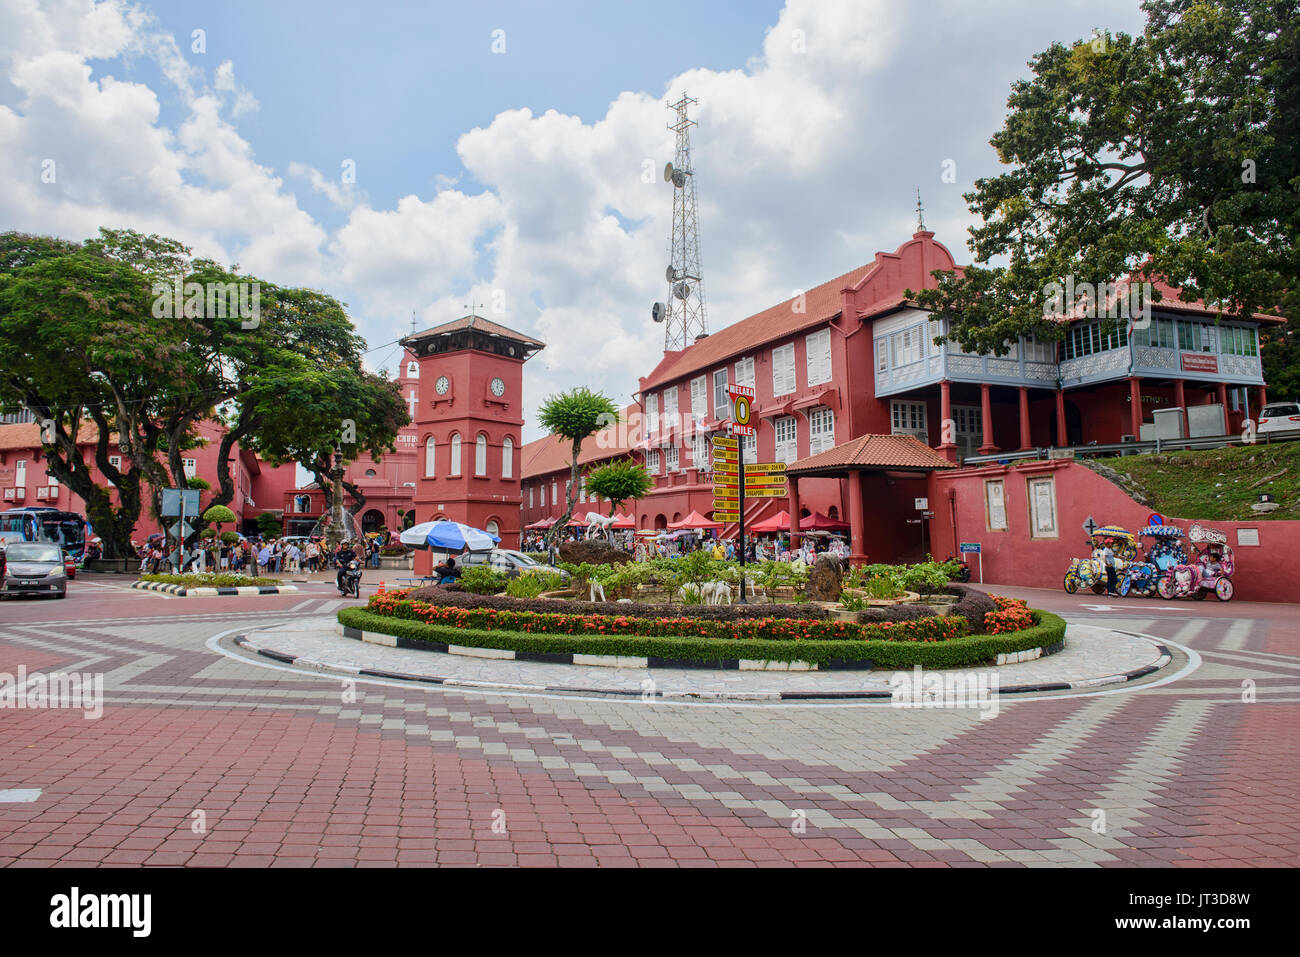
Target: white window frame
{"x":480,"y":454}
{"x":455,"y":454}
{"x":672,"y":412}
{"x":721,"y":400}
{"x":555,"y":492}
{"x":430,"y":457}
{"x":750,"y":445}
{"x":530,"y":496}
{"x":672,"y":458}
{"x":821,"y":429}
{"x":652,"y":461}
{"x":817,"y":350}
{"x":783,"y":374}
{"x":786,"y":429}
{"x":700,"y":454}
{"x":115,"y":461}
{"x":507,"y":457}
{"x":190,"y":467}
{"x":651,"y":413}
{"x":904,"y":416}
{"x":882,"y":354}
{"x":700,"y":398}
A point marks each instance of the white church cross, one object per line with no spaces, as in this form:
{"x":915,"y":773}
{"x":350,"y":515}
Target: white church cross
{"x":411,"y":403}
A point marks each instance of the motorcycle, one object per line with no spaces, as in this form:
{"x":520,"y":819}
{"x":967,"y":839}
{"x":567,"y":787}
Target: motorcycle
{"x":1165,"y":552}
{"x":963,"y":571}
{"x":351,"y":580}
{"x":1140,"y":578}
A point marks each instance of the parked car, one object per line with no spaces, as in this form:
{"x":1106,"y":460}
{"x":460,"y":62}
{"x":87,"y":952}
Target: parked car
{"x":509,"y":562}
{"x":1280,"y":417}
{"x":34,"y":568}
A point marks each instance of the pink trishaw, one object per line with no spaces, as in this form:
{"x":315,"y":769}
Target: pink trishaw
{"x":1210,"y":572}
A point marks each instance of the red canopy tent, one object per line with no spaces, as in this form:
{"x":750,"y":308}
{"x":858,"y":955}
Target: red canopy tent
{"x":540,"y":525}
{"x":695,"y":520}
{"x":780,"y":522}
{"x":624,"y":521}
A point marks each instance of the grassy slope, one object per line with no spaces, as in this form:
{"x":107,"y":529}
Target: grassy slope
{"x":1215,"y":484}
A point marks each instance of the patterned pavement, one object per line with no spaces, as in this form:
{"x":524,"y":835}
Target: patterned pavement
{"x":200,"y":759}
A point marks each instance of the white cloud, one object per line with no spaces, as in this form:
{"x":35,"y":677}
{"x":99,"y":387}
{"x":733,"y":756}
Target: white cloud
{"x":807,"y":162}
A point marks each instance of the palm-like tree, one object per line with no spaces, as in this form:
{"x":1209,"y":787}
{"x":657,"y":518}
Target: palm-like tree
{"x":575,"y":415}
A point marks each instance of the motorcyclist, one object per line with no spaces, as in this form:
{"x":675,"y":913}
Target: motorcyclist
{"x":342,"y":556}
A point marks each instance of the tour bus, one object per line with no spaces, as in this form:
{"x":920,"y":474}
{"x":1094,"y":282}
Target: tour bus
{"x":43,"y":524}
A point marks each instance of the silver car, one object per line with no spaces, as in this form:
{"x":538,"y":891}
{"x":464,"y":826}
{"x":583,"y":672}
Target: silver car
{"x":509,"y":562}
{"x":33,"y":568}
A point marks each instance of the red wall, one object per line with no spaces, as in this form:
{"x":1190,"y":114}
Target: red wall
{"x":1268,"y":572}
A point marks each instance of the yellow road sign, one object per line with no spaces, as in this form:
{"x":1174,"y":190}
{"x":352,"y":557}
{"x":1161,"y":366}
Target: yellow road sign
{"x":769,"y":492}
{"x":722,"y":442}
{"x":726,"y":516}
{"x":755,"y":468}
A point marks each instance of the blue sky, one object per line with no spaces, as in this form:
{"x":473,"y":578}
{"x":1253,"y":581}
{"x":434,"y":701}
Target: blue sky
{"x":517,"y":178}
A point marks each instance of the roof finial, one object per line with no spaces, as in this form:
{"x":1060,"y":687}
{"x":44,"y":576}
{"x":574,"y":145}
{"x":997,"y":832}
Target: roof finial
{"x":412,"y":322}
{"x":920,"y":212}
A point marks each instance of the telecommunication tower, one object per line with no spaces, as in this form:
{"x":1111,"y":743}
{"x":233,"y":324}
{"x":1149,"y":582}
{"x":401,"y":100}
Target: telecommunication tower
{"x":682,"y":313}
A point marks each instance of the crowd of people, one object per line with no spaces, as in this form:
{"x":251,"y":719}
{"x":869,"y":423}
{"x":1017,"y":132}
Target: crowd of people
{"x":255,"y":555}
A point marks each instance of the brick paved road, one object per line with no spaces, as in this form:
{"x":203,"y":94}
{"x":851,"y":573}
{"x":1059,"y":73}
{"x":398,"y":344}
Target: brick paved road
{"x":286,"y":770}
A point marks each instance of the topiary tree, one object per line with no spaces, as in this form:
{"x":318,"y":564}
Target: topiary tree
{"x":619,"y":481}
{"x":269,"y":525}
{"x":219,"y":515}
{"x":574,"y":415}
{"x":229,"y":538}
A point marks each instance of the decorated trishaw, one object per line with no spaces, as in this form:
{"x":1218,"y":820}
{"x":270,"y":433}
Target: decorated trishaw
{"x":1091,"y":572}
{"x":1209,"y":571}
{"x":1164,"y":552}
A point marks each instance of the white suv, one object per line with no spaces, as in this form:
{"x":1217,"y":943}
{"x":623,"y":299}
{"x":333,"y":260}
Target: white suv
{"x":1280,"y":417}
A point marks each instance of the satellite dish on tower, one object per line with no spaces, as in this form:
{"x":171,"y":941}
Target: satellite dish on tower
{"x":659,"y":312}
{"x":674,"y":176}
{"x":671,"y":274}
{"x":682,"y":290}
{"x":668,"y":173}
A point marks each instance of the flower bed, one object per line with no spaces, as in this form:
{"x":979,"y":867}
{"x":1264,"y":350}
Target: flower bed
{"x":931,"y":628}
{"x":883,"y":653}
{"x":211,"y":580}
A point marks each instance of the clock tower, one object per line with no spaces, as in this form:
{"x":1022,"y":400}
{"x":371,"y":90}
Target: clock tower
{"x":468,"y":422}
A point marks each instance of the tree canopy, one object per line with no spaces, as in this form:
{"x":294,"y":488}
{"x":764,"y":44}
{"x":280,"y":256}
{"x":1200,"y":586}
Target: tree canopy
{"x":1169,"y":155}
{"x":619,"y":481}
{"x":575,"y":415}
{"x":127,"y":341}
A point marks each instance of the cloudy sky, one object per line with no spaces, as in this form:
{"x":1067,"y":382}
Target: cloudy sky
{"x":414,"y":157}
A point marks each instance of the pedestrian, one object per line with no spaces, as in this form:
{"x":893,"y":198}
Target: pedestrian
{"x":1108,"y":560}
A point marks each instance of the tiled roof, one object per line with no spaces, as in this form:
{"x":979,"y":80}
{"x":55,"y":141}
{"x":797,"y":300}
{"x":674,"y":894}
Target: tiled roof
{"x":821,"y":303}
{"x":478,"y":324}
{"x":552,"y":453}
{"x":27,"y":435}
{"x":873,"y":451}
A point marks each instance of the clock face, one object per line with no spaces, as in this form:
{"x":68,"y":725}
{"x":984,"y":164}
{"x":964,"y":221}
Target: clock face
{"x":498,"y":387}
{"x":442,"y":385}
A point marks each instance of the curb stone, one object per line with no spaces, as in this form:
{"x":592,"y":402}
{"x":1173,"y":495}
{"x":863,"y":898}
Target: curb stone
{"x":391,"y":641}
{"x":183,"y":592}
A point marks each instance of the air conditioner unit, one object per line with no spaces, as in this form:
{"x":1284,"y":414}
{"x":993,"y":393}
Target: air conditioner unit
{"x":9,"y":495}
{"x":248,"y":500}
{"x":1128,"y":438}
{"x":42,"y":493}
{"x":20,"y":493}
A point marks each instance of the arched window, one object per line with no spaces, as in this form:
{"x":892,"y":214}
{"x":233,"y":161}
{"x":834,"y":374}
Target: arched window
{"x":455,"y":454}
{"x":430,"y":456}
{"x":492,"y":527}
{"x":480,"y":455}
{"x":507,"y":457}
{"x":413,"y":369}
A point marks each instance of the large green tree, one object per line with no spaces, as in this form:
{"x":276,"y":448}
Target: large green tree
{"x":575,"y":415}
{"x":107,"y":342}
{"x":1172,"y":155}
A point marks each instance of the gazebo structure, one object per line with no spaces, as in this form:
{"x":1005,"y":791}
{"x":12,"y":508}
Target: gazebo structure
{"x":891,"y":472}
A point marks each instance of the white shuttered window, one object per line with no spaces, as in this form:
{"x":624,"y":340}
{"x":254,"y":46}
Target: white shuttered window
{"x":818,"y":346}
{"x":821,"y":426}
{"x":700,"y":399}
{"x":787,"y":445}
{"x":745,"y":371}
{"x":783,"y":370}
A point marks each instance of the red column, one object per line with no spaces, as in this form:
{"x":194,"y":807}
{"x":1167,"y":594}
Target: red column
{"x":1263,"y":400}
{"x":986,"y":421}
{"x":1026,"y":440}
{"x":857,"y":525}
{"x":1135,"y":403}
{"x":1223,"y":401}
{"x":793,"y":501}
{"x":1180,"y":400}
{"x":947,"y":427}
{"x":1061,"y":439}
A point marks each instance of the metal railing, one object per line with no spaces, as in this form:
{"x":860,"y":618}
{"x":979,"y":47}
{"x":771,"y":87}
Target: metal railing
{"x":1133,"y":448}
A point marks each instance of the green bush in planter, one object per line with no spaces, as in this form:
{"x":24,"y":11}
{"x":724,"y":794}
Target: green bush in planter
{"x":482,"y":580}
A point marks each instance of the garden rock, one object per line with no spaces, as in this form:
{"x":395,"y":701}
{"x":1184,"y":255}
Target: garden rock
{"x":825,"y":580}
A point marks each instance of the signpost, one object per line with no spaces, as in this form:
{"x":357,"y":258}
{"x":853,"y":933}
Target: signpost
{"x":181,"y":502}
{"x":968,"y":548}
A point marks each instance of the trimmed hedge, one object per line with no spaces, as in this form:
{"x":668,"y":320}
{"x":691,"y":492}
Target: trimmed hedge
{"x":741,"y":629}
{"x":957,"y":652}
{"x":210,"y":580}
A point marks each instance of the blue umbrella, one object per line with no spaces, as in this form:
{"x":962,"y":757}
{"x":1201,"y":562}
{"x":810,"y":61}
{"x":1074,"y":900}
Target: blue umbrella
{"x":448,"y":536}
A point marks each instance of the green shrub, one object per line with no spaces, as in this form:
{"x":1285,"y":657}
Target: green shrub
{"x":229,"y":538}
{"x":482,"y":580}
{"x":956,"y":652}
{"x":531,"y":584}
{"x":208,"y":580}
